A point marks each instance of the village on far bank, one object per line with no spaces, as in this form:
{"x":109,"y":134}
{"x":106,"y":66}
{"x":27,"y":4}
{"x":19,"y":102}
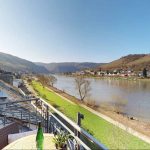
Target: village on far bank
{"x":143,"y":73}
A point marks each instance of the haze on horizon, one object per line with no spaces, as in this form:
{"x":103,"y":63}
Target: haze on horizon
{"x":74,"y":31}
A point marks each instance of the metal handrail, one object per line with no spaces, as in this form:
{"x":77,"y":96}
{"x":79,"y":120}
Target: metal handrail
{"x":73,"y":124}
{"x":75,"y":137}
{"x":79,"y":129}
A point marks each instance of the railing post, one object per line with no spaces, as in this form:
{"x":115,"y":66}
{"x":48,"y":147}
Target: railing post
{"x":29,"y":119}
{"x":77,"y":133}
{"x":4,"y":120}
{"x":21,"y":115}
{"x":47,"y":115}
{"x":79,"y":117}
{"x":42,"y":115}
{"x":36,"y":113}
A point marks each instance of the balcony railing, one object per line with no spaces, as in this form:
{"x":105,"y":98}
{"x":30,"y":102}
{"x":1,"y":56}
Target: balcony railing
{"x":31,"y":111}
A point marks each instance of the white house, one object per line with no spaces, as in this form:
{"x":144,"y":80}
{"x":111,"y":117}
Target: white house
{"x":17,"y":82}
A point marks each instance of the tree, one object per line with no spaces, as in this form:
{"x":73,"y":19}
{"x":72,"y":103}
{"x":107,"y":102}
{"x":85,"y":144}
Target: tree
{"x":43,"y":79}
{"x":83,"y":87}
{"x":29,"y":80}
{"x":47,"y":80}
{"x":52,"y":80}
{"x":144,"y":73}
{"x":107,"y":71}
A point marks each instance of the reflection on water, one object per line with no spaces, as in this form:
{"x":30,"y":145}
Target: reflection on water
{"x":134,"y":95}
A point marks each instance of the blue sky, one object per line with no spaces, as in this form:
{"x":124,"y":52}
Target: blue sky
{"x":74,"y":30}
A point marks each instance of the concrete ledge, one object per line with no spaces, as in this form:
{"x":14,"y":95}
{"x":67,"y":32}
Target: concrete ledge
{"x":14,"y":137}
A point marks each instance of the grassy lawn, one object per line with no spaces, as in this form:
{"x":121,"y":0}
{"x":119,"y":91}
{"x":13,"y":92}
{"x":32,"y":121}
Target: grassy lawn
{"x":108,"y":134}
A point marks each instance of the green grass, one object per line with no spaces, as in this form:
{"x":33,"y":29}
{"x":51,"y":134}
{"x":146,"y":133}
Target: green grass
{"x":108,"y":134}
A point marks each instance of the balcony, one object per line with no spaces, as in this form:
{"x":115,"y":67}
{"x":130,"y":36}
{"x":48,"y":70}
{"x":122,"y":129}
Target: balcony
{"x":27,"y":113}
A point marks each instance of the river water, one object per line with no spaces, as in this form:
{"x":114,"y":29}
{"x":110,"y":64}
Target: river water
{"x":132,"y":97}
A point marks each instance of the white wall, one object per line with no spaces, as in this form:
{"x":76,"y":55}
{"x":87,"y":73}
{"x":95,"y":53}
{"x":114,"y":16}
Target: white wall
{"x":17,"y":82}
{"x":14,"y":137}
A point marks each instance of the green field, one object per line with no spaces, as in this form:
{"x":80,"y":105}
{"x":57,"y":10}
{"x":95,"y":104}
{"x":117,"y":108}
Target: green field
{"x":108,"y":134}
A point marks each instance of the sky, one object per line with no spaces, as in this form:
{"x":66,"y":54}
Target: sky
{"x":74,"y":30}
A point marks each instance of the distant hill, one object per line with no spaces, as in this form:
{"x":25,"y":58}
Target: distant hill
{"x":136,"y":62}
{"x":68,"y":66}
{"x":12,"y":63}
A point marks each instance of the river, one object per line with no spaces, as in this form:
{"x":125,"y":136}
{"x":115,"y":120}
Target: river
{"x":132,"y":97}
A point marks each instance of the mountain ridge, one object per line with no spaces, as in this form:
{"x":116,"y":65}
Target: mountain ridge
{"x":64,"y":67}
{"x":13,"y":63}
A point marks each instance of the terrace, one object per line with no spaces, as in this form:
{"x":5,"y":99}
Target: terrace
{"x":22,"y":117}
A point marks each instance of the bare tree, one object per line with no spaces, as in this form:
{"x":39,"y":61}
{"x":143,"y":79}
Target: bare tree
{"x":82,"y":86}
{"x":43,"y":79}
{"x":119,"y":103}
{"x":47,"y":80}
{"x":52,"y":80}
{"x":29,"y":80}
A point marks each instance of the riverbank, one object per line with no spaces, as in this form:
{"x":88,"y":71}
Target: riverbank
{"x":107,"y":133}
{"x":133,"y":78}
{"x":134,"y":123}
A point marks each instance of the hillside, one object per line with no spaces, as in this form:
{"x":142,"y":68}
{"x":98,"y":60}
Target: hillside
{"x":12,"y":63}
{"x":136,"y":62}
{"x":141,"y":63}
{"x":68,"y":66}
